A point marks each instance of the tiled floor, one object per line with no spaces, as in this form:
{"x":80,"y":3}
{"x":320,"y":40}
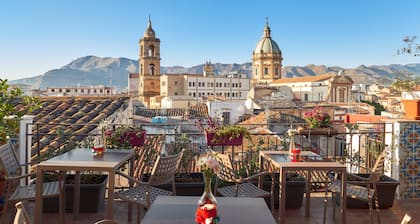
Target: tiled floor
{"x":294,"y":216}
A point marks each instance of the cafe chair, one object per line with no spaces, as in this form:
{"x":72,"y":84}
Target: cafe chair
{"x":15,"y":191}
{"x":143,"y":193}
{"x":242,"y":186}
{"x":367,"y":192}
{"x":22,"y":216}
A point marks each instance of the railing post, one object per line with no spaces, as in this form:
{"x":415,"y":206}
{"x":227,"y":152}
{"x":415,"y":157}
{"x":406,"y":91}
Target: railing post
{"x":25,"y":142}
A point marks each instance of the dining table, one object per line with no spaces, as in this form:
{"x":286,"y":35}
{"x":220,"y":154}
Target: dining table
{"x":80,"y":160}
{"x":307,"y":163}
{"x":182,"y":209}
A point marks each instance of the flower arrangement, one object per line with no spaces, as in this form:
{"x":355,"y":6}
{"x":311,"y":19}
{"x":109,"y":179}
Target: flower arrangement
{"x":206,"y":212}
{"x":317,"y":117}
{"x":124,"y":137}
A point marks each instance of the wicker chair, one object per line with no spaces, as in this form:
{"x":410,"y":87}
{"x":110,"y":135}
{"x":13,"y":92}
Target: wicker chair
{"x":242,"y":187}
{"x":365,"y":193}
{"x":143,"y":193}
{"x":16,"y":192}
{"x":21,"y":216}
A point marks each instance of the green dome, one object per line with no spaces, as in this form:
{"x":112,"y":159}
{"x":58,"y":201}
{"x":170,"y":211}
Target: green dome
{"x":266,"y":44}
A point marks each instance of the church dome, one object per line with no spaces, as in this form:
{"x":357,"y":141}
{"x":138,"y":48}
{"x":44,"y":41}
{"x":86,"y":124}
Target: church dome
{"x":266,"y":44}
{"x":149,"y":31}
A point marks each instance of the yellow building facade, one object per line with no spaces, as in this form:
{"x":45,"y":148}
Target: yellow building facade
{"x":149,"y":65}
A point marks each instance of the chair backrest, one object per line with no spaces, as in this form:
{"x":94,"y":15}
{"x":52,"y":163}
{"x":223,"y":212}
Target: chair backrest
{"x":165,"y":168}
{"x":406,"y":219}
{"x":9,"y":160}
{"x":227,"y":172}
{"x":380,"y":163}
{"x":147,"y":155}
{"x":21,"y":216}
{"x":378,"y":168}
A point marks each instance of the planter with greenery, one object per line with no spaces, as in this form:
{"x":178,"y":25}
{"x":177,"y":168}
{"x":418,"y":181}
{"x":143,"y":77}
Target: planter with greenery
{"x":92,"y":194}
{"x":229,"y":135}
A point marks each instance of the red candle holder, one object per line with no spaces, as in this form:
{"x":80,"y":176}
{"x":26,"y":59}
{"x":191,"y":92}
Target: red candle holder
{"x":295,"y":155}
{"x":98,"y":150}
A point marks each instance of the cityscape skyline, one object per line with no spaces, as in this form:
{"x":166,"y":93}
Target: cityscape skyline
{"x":40,"y":36}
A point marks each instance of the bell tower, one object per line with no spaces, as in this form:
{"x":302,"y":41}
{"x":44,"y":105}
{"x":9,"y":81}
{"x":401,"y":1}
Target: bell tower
{"x":149,"y":65}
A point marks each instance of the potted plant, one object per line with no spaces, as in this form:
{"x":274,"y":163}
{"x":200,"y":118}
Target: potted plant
{"x":229,"y":135}
{"x":318,"y":122}
{"x":124,"y":137}
{"x":92,"y":193}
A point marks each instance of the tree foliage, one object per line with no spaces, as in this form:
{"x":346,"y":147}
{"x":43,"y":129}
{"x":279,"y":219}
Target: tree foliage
{"x":9,"y":115}
{"x":405,"y":82}
{"x":378,"y":107}
{"x":412,"y":47}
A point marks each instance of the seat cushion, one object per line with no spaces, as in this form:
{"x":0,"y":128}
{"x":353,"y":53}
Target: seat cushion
{"x":138,"y":194}
{"x":352,"y":191}
{"x":244,"y":190}
{"x":50,"y":189}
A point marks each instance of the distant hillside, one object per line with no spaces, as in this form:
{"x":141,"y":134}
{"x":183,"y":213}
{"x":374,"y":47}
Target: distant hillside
{"x":93,"y":70}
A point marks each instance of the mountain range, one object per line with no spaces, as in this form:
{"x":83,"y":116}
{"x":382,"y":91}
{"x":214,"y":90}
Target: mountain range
{"x":93,"y":70}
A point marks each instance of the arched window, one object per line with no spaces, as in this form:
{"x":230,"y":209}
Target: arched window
{"x":151,"y":51}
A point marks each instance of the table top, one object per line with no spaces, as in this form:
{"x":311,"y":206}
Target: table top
{"x":83,"y":158}
{"x":308,"y":159}
{"x":181,"y":210}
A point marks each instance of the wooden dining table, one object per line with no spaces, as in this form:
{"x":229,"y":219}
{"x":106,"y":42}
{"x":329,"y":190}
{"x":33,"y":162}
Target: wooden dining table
{"x":181,"y":210}
{"x":82,"y":159}
{"x":309,"y":162}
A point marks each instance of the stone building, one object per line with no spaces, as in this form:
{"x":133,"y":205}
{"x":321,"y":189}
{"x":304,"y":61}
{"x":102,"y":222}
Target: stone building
{"x":149,"y":65}
{"x":266,"y":59}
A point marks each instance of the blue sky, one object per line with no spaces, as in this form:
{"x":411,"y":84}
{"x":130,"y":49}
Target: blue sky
{"x":36,"y":36}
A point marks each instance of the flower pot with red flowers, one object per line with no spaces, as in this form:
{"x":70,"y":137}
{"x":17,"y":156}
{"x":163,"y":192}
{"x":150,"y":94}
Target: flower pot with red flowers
{"x":124,"y":137}
{"x":230,"y":135}
{"x":318,"y":123}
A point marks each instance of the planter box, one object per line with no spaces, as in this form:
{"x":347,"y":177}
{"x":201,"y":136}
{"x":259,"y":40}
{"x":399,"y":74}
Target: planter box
{"x":213,"y":140}
{"x":91,"y":196}
{"x":186,"y":184}
{"x":317,"y":131}
{"x":294,"y":192}
{"x":386,"y":188}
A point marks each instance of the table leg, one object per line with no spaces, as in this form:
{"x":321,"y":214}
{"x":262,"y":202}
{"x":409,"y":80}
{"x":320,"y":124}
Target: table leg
{"x":111,"y":183}
{"x":76,"y":195}
{"x":38,"y":196}
{"x":308,"y":194}
{"x":282,"y":195}
{"x":131,"y":183}
{"x":343,"y":204}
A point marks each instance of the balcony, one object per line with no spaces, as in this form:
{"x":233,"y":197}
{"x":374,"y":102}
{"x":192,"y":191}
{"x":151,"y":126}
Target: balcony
{"x":365,"y":142}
